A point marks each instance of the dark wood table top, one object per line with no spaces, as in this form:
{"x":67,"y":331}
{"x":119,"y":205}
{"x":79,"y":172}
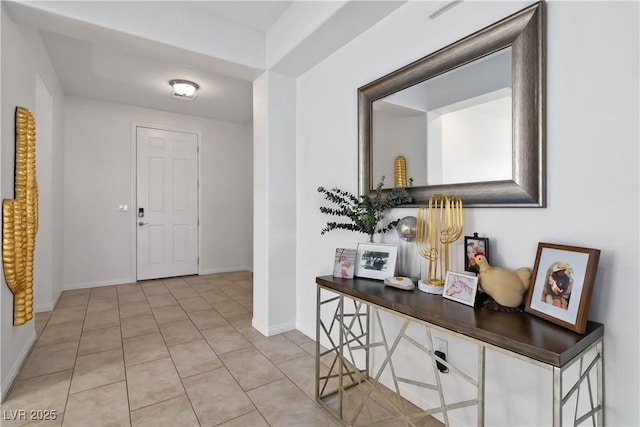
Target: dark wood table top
{"x":518,"y":331}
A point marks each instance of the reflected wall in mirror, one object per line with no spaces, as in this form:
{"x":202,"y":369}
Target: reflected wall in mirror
{"x":453,"y":128}
{"x":469,"y":118}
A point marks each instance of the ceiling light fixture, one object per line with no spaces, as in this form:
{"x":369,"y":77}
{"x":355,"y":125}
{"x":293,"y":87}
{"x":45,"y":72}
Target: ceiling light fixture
{"x":184,"y":89}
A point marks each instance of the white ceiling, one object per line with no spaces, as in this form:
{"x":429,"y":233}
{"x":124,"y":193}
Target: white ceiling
{"x":127,"y":51}
{"x":95,"y":62}
{"x":255,"y":14}
{"x":117,"y":74}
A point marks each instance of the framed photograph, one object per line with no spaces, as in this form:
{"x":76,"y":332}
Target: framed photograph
{"x":376,"y":261}
{"x":562,"y":285}
{"x":460,"y":287}
{"x":473,"y":245}
{"x":344,"y":263}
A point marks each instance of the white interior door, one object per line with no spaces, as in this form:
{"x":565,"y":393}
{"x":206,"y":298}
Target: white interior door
{"x":167,"y":203}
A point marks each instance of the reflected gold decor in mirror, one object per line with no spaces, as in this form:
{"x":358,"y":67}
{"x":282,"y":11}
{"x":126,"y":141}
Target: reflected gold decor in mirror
{"x":468,"y":119}
{"x":20,"y":220}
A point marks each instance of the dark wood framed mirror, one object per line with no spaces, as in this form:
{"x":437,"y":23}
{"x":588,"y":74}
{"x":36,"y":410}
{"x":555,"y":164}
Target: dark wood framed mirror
{"x":495,"y":75}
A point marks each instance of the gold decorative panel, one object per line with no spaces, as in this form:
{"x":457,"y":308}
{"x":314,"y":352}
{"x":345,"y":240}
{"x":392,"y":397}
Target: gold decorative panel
{"x":20,"y":220}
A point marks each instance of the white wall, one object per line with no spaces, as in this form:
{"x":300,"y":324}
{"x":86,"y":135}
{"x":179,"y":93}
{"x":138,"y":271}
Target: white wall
{"x":50,"y":164}
{"x":476,"y":143}
{"x":98,"y":241}
{"x":22,"y":62}
{"x":43,"y":262}
{"x":592,"y":176}
{"x":399,"y":135}
{"x":274,"y":250}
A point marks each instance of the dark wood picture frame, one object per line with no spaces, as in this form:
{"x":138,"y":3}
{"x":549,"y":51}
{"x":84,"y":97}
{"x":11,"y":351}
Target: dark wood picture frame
{"x":472,"y":245}
{"x":562,"y":284}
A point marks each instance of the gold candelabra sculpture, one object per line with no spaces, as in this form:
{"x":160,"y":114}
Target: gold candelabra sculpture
{"x":438,"y":225}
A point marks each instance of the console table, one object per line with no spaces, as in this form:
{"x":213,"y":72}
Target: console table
{"x":354,"y":307}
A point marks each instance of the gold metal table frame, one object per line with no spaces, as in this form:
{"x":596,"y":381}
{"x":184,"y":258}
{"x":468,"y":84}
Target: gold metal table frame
{"x":352,"y":308}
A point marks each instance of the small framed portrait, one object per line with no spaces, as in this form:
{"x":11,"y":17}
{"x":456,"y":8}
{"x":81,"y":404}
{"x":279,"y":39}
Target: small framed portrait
{"x":562,"y":285}
{"x":376,"y":261}
{"x":473,"y":245}
{"x":460,"y":287}
{"x":344,"y":263}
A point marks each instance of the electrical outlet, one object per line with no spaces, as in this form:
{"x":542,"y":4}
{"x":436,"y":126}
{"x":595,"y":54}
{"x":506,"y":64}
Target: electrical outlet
{"x":440,"y":350}
{"x":440,"y":345}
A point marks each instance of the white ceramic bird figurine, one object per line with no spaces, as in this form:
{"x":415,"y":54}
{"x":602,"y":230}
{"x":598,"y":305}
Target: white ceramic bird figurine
{"x":507,"y":287}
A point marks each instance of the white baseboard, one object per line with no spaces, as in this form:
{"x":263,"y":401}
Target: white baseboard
{"x":310,"y":332}
{"x":204,"y":271}
{"x":283,"y":327}
{"x":17,"y":364}
{"x":73,"y":286}
{"x":273,"y":330}
{"x":42,"y":308}
{"x":70,"y":287}
{"x":56,"y":297}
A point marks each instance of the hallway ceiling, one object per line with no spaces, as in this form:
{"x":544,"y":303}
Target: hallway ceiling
{"x":127,"y":51}
{"x":122,"y":75}
{"x":104,"y":64}
{"x":255,"y":14}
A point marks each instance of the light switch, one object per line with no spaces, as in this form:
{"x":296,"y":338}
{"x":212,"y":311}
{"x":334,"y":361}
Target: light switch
{"x":123,"y":207}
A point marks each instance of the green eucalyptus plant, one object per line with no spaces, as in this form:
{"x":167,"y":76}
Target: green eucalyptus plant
{"x":365,"y":213}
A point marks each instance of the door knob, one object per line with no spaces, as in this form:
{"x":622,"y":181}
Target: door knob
{"x":141,"y":223}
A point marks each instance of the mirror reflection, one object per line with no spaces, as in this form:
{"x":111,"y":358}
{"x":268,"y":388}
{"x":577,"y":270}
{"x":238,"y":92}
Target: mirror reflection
{"x":453,"y":128}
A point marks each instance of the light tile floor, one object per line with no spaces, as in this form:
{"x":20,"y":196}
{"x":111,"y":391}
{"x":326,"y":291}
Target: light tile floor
{"x":172,"y":352}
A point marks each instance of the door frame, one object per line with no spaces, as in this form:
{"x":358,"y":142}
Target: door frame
{"x":134,"y":190}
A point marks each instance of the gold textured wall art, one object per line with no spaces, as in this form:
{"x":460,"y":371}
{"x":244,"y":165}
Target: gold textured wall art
{"x":20,"y":220}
